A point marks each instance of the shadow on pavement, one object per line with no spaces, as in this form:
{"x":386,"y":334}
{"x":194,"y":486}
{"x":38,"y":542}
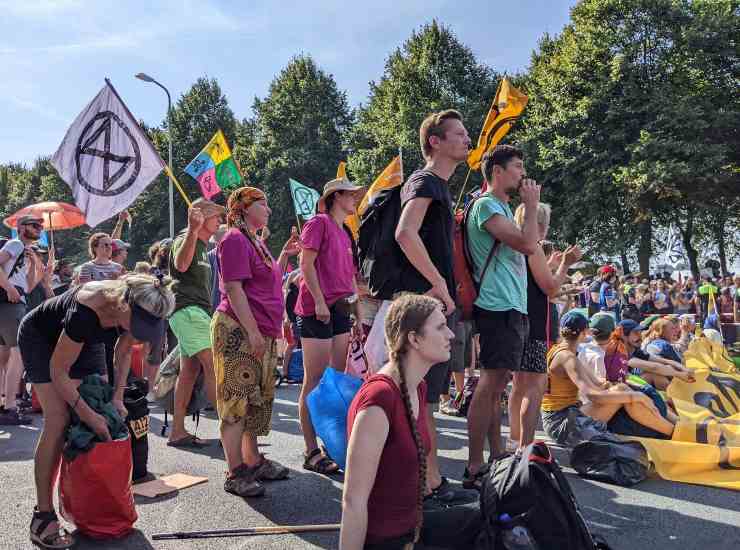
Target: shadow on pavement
{"x":136,"y":540}
{"x":19,"y":442}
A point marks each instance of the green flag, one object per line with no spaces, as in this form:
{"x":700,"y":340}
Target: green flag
{"x":304,"y":199}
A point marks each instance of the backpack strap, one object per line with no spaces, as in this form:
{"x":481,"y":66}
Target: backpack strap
{"x":466,"y":249}
{"x":17,"y":263}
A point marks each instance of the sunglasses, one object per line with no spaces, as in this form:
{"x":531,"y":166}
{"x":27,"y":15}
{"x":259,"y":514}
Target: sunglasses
{"x":34,"y":225}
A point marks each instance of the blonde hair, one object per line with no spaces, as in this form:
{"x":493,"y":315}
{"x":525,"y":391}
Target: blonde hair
{"x":142,"y":267}
{"x":148,"y":292}
{"x":543,"y":214}
{"x":657,"y":330}
{"x":92,"y":243}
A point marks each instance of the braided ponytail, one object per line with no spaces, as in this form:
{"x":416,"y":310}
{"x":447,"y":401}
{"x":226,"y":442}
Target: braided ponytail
{"x":408,"y":314}
{"x":421,"y":453}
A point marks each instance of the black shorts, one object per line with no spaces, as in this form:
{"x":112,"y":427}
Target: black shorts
{"x":534,"y":358}
{"x":503,"y":335}
{"x":36,"y":351}
{"x":340,"y":322}
{"x":623,"y":424}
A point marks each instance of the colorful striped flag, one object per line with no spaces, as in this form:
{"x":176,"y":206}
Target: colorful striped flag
{"x":214,"y":168}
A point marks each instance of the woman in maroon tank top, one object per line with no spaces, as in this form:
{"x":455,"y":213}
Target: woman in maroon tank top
{"x":385,"y":480}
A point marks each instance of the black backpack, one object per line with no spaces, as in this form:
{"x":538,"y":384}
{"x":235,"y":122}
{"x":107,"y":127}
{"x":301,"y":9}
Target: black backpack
{"x":380,"y":257}
{"x":530,"y":488}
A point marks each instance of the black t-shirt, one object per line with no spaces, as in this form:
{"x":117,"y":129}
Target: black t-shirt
{"x":537,"y":311}
{"x":436,"y":232}
{"x":78,"y":321}
{"x":640,"y":354}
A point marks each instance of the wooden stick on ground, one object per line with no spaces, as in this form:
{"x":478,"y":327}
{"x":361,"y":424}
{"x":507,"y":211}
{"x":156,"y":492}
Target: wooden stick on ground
{"x":249,"y":531}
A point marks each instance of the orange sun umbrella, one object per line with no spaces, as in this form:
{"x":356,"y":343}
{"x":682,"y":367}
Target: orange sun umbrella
{"x":56,"y":215}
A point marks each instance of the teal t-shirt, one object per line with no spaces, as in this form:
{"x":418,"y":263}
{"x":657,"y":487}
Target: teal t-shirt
{"x":505,"y":284}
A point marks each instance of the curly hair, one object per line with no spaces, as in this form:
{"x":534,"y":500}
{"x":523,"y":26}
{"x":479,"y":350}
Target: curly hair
{"x":408,"y":314}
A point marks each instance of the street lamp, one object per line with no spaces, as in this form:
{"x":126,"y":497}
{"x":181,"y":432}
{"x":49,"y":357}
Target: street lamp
{"x":146,"y":78}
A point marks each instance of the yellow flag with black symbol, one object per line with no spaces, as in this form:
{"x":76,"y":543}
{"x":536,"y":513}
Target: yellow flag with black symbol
{"x":391,"y":176}
{"x":507,"y":105}
{"x":705,"y":447}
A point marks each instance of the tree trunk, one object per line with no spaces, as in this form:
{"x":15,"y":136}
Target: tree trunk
{"x":645,"y":247}
{"x":686,"y":236}
{"x":625,"y":262}
{"x":719,"y":235}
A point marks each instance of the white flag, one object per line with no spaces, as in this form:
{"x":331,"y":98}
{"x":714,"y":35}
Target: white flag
{"x":106,"y":158}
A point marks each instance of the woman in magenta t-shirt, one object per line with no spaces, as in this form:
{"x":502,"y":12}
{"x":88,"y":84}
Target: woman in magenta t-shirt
{"x":323,"y":308}
{"x":244,"y":330}
{"x":385,"y":482}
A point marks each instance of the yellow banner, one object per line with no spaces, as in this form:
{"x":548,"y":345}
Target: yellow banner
{"x":342,"y":170}
{"x":705,"y":447}
{"x":390,"y":177}
{"x":505,"y":110}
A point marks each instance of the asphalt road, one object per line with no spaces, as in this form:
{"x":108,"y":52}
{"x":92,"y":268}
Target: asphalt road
{"x":655,"y":515}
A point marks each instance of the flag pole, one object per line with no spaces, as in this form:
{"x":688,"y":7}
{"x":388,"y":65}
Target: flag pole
{"x":173,"y":179}
{"x":465,"y":183}
{"x":400,"y":160}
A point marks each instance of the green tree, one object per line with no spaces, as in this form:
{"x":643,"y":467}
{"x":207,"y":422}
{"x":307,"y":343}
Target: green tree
{"x":296,"y":133}
{"x":432,"y":71}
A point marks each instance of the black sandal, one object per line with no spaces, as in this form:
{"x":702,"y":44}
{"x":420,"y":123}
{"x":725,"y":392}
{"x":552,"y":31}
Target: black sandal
{"x":61,"y":539}
{"x":325,"y":465}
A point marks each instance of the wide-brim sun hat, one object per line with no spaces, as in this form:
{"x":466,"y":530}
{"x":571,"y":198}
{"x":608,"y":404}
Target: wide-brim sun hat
{"x":338,"y":184}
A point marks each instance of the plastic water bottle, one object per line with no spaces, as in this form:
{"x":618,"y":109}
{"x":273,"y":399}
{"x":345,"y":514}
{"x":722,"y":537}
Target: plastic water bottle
{"x":515,"y":537}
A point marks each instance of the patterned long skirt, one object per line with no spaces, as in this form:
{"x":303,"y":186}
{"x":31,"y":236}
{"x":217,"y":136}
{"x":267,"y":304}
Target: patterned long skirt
{"x":245,"y":385}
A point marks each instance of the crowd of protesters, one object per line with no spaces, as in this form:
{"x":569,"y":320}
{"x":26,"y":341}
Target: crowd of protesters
{"x":236,"y":312}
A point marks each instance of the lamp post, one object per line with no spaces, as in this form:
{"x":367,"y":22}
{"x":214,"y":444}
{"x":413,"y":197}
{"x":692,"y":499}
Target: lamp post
{"x":146,"y":78}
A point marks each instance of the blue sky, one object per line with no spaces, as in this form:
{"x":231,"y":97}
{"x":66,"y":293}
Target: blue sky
{"x":55,"y":54}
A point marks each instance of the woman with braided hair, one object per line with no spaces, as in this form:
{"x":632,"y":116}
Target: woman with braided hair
{"x":385,"y":482}
{"x":244,"y":330}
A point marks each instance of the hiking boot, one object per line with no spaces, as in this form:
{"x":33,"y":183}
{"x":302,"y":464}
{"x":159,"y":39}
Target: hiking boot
{"x":242,"y":483}
{"x":11,"y":417}
{"x":269,"y":470}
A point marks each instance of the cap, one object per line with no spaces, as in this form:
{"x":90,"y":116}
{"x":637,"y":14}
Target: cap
{"x":146,"y":327}
{"x":118,"y":244}
{"x":28,"y":218}
{"x":649,"y":321}
{"x":604,"y":269}
{"x":628,"y":325}
{"x":574,"y":321}
{"x":602,"y":324}
{"x":339,"y":184}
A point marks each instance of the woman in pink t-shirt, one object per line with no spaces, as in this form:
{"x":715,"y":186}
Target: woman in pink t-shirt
{"x":244,"y":330}
{"x":323,"y":308}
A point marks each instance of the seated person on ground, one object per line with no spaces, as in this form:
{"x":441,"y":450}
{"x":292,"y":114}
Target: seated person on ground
{"x":658,"y":347}
{"x":610,"y":407}
{"x":384,"y":504}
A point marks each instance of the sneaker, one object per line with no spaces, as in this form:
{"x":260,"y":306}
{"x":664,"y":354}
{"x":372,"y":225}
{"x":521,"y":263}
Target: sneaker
{"x":242,"y":483}
{"x":269,"y":470}
{"x":11,"y":417}
{"x":448,"y":494}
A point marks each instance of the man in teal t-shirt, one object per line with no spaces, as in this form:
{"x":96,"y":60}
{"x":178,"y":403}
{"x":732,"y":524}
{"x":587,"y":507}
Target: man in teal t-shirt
{"x":501,"y":308}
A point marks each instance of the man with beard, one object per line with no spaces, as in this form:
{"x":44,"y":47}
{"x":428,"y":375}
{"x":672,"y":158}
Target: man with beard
{"x":20,"y":271}
{"x":498,"y":246}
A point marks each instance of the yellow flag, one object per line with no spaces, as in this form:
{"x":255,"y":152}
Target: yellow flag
{"x":705,"y":447}
{"x":342,"y":171}
{"x":505,"y":109}
{"x":391,"y":176}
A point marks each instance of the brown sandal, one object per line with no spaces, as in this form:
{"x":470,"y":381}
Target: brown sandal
{"x":325,"y":465}
{"x":59,"y":539}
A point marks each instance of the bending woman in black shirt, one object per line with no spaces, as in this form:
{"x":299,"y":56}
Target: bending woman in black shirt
{"x":61,"y":342}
